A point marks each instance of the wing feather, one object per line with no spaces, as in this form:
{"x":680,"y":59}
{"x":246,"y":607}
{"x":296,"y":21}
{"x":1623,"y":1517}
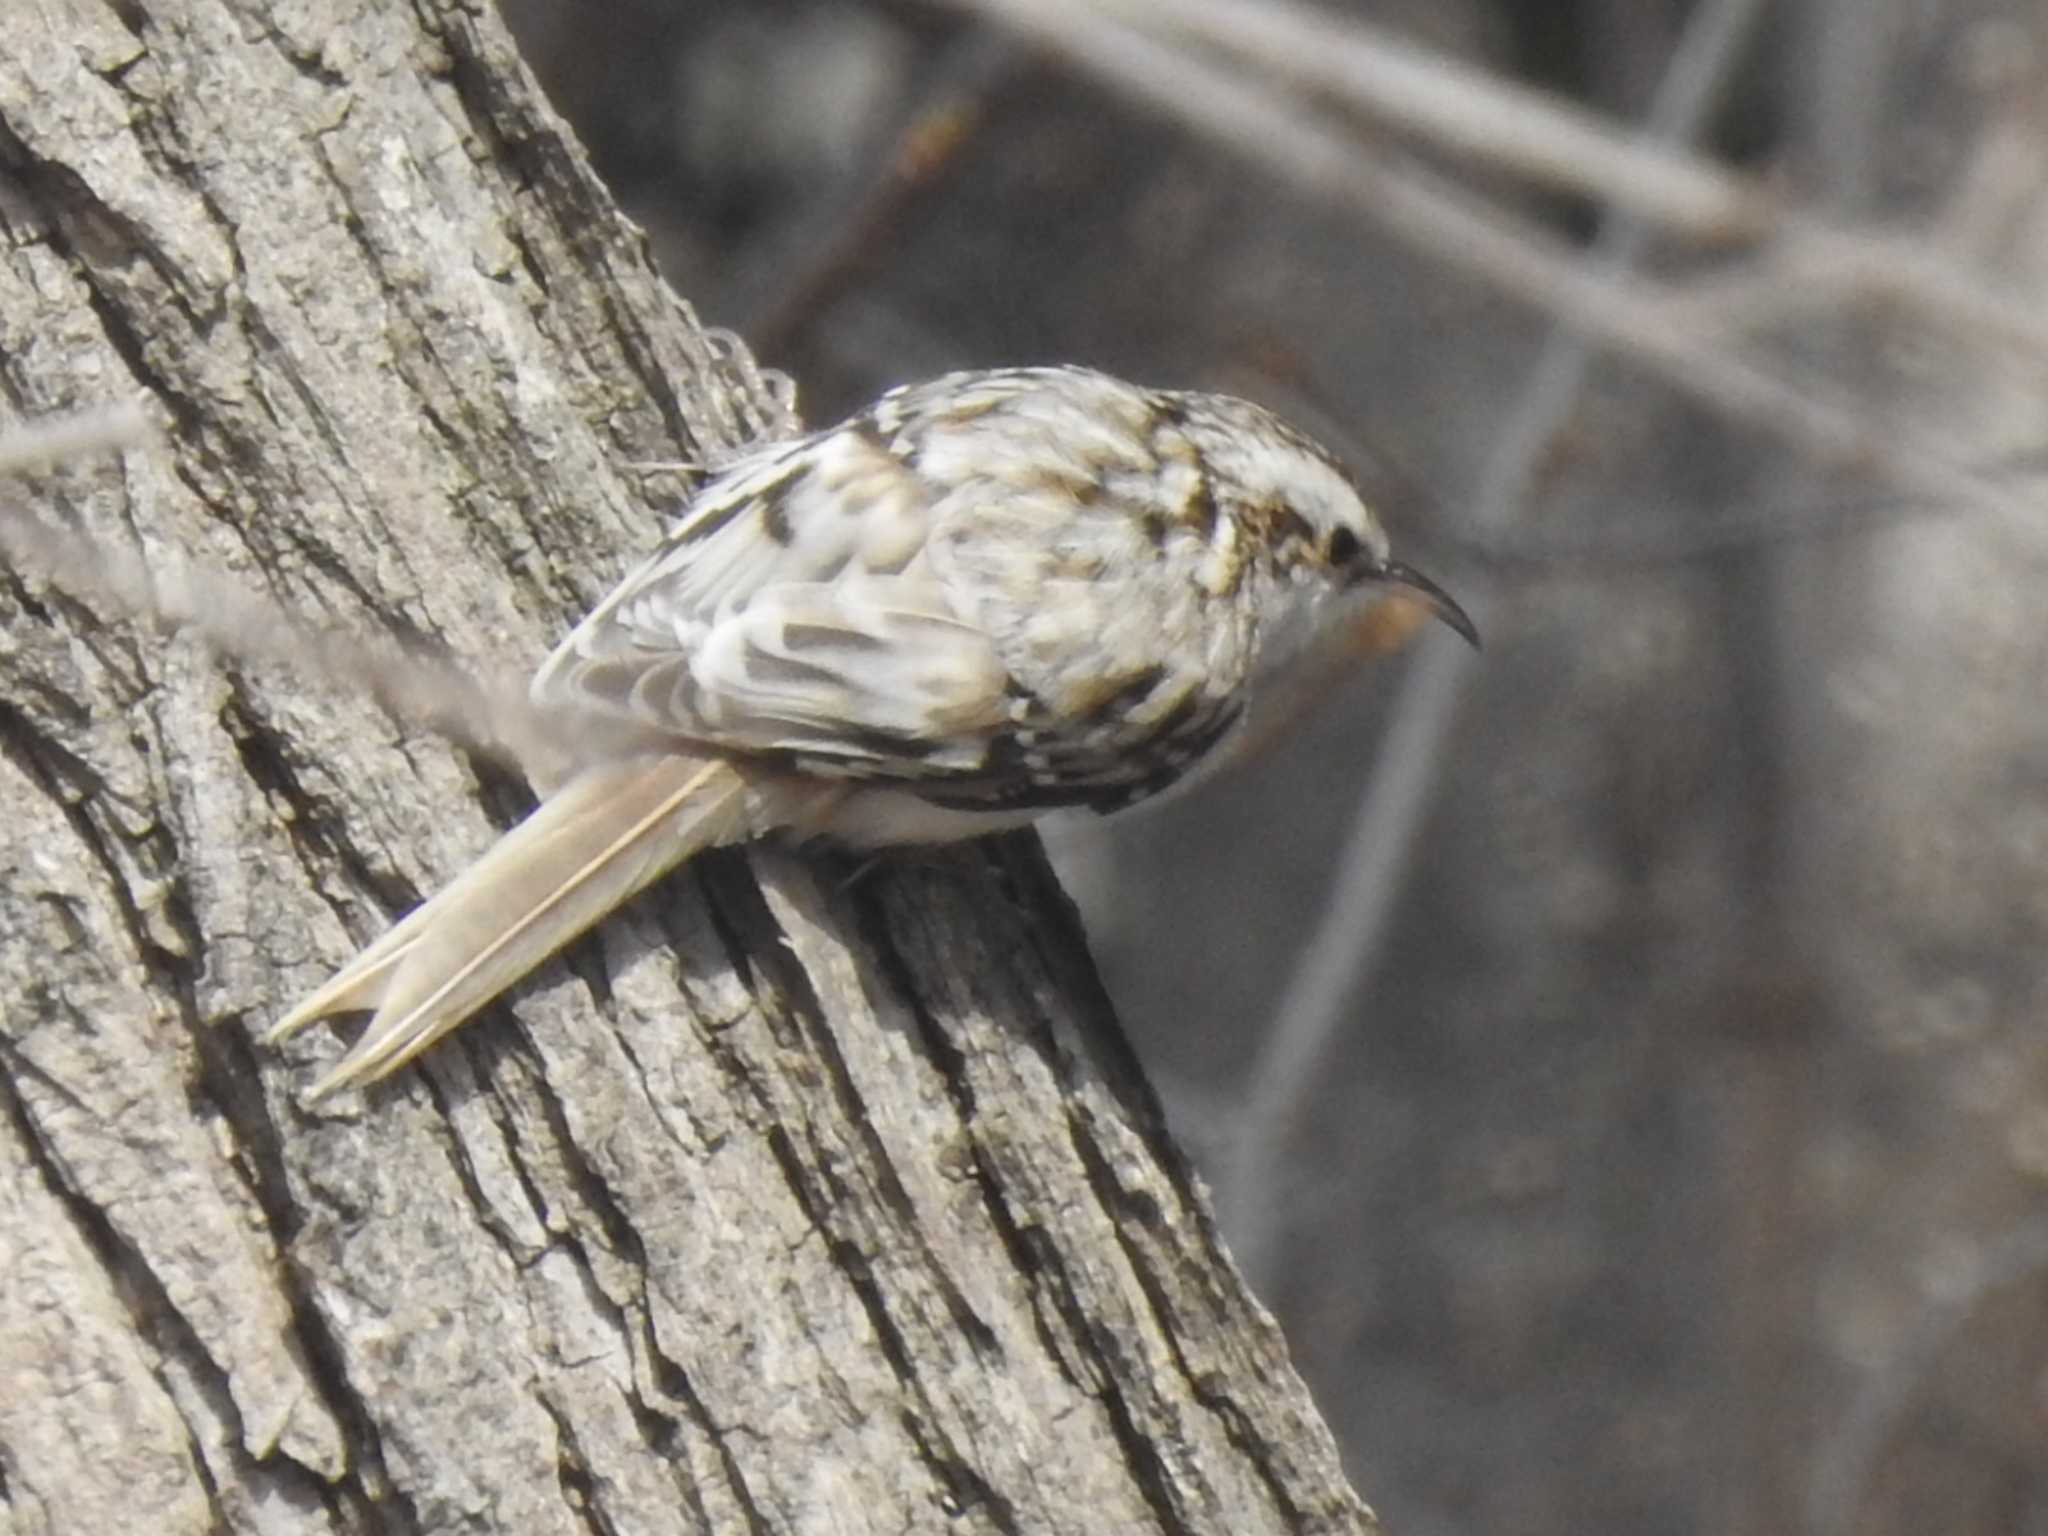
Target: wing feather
{"x":895,"y":598}
{"x":792,"y":611}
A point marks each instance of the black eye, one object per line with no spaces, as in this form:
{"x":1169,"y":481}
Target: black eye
{"x":1342,"y":546}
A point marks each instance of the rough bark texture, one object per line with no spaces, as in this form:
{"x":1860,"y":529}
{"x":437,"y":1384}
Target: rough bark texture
{"x":800,"y":1199}
{"x":1679,"y":1164}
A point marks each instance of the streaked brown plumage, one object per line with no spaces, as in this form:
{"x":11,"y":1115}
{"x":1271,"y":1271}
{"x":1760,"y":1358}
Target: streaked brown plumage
{"x":984,"y":598}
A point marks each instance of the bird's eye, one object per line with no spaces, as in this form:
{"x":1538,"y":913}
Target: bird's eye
{"x":1342,"y":545}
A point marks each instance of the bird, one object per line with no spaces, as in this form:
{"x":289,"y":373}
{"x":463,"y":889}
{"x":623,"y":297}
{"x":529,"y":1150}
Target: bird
{"x":983,"y":598}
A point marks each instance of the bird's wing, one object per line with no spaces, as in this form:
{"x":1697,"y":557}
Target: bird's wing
{"x":793,"y":612}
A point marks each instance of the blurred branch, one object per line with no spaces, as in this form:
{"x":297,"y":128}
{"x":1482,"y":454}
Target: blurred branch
{"x":2006,"y":169}
{"x":1469,"y":111}
{"x":483,"y":708}
{"x":1633,"y":318}
{"x":1460,"y":107}
{"x":480,"y":707}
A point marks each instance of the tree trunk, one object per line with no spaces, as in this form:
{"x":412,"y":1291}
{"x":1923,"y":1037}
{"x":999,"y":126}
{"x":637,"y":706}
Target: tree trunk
{"x":802,"y":1198}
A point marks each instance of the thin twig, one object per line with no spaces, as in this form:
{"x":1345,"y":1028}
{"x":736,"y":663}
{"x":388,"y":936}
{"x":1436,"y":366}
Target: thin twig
{"x":26,"y":445}
{"x":485,"y":710}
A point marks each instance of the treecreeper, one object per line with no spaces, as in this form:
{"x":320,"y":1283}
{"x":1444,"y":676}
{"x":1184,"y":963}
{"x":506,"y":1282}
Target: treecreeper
{"x":981,"y":599}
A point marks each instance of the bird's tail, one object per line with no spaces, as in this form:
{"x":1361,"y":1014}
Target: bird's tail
{"x":607,"y":833}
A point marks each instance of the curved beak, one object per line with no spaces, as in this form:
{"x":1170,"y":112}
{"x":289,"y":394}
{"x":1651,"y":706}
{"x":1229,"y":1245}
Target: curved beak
{"x":1432,"y":597}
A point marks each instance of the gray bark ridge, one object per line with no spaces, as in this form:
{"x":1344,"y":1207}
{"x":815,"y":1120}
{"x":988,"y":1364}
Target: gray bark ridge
{"x":795,"y":1200}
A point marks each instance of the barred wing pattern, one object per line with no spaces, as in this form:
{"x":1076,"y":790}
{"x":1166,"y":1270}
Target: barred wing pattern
{"x":793,"y":614}
{"x":891,"y":600}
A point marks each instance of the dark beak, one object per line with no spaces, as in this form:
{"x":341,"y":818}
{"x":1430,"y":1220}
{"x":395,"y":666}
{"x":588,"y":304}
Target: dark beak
{"x":1438,"y":601}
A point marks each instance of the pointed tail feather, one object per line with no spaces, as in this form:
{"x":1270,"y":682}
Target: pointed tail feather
{"x":362,"y":982}
{"x":605,"y":835}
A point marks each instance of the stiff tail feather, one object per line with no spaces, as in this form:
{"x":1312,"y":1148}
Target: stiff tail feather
{"x":605,"y":835}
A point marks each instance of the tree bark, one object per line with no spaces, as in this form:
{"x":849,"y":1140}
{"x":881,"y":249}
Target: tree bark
{"x":802,"y":1198}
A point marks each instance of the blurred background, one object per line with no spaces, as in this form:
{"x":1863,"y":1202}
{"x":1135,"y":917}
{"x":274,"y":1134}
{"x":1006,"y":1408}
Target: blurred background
{"x":1620,"y":1058}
